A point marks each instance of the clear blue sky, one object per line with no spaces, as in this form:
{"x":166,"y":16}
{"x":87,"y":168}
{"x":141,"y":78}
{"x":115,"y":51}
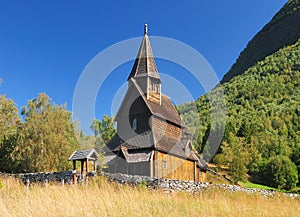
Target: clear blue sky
{"x":45,"y":45}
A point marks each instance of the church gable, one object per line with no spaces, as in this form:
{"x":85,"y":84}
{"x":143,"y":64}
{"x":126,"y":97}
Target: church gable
{"x":133,"y":96}
{"x":133,"y":114}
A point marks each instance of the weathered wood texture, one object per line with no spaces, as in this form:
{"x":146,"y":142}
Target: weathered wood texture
{"x":200,"y":175}
{"x":162,"y":127}
{"x":154,"y":97}
{"x":175,"y":168}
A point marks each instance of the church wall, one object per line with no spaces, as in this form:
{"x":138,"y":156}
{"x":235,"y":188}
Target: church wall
{"x":162,"y":127}
{"x":143,"y":83}
{"x":120,"y":165}
{"x":201,"y":176}
{"x":117,"y":165}
{"x":139,"y":168}
{"x":175,"y":167}
{"x":134,"y":107}
{"x":142,"y":122}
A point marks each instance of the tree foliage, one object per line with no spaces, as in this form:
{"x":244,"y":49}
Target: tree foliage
{"x":262,"y":107}
{"x":89,"y":142}
{"x":280,"y":172}
{"x":104,"y":129}
{"x":9,"y":122}
{"x":47,"y":137}
{"x":43,"y":142}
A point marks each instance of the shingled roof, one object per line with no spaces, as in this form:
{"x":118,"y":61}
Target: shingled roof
{"x":89,"y":154}
{"x":147,"y":141}
{"x":144,"y":64}
{"x":136,"y":156}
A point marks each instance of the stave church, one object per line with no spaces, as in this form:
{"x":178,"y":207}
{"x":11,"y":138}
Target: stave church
{"x":152,"y":139}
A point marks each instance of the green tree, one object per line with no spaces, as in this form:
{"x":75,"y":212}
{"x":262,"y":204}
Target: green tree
{"x":281,"y":173}
{"x":104,"y":129}
{"x":235,"y":154}
{"x":237,"y":169}
{"x":262,"y":108}
{"x":89,"y":142}
{"x":8,"y":117}
{"x":296,"y":158}
{"x":84,"y":141}
{"x":9,"y":122}
{"x":47,"y":137}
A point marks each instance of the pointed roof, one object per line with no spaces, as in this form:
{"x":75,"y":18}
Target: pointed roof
{"x":144,"y":64}
{"x":90,"y":154}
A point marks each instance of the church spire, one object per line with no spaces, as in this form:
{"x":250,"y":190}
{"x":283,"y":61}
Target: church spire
{"x":144,"y":65}
{"x":145,"y":29}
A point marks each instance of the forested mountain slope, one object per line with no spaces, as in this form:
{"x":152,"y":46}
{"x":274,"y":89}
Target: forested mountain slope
{"x":281,"y":31}
{"x":263,"y":125}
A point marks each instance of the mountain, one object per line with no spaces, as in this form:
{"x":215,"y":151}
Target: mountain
{"x":281,"y":31}
{"x":263,"y":109}
{"x":262,"y":92}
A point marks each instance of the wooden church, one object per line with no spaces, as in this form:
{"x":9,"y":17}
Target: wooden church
{"x":151,"y":140}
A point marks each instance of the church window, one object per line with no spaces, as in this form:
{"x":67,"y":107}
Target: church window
{"x":164,"y":165}
{"x":134,"y":124}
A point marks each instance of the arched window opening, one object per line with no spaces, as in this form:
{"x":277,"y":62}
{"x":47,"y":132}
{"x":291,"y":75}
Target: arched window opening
{"x":134,"y":124}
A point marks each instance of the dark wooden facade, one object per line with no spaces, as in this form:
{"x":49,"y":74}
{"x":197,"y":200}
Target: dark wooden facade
{"x":151,"y":138}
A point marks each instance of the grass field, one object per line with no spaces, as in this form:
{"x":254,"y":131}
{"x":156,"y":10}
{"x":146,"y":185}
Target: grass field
{"x":102,"y":198}
{"x":253,"y":185}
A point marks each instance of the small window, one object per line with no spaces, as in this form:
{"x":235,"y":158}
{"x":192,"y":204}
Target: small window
{"x":164,"y":165}
{"x":156,"y":90}
{"x":134,"y":124}
{"x":187,"y":150}
{"x":151,"y":86}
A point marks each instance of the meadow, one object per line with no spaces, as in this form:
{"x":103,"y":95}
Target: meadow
{"x":102,"y":198}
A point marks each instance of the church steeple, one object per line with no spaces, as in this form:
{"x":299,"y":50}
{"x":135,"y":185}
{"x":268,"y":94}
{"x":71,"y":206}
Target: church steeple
{"x":144,"y":64}
{"x":145,"y":72}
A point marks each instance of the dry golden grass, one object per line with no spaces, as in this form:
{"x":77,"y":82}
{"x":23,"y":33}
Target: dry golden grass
{"x":107,"y":199}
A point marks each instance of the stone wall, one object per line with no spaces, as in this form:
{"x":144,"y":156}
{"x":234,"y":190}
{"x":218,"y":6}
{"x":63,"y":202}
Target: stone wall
{"x":65,"y":177}
{"x":171,"y":185}
{"x":167,"y":185}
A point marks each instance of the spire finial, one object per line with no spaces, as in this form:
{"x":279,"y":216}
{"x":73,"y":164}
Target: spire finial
{"x":146,"y":29}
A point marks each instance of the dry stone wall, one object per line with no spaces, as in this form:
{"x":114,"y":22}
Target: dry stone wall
{"x":167,"y":185}
{"x":171,"y":185}
{"x":65,"y":177}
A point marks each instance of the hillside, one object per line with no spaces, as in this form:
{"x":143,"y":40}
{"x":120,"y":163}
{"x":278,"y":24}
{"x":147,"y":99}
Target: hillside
{"x":262,"y":123}
{"x":281,"y":31}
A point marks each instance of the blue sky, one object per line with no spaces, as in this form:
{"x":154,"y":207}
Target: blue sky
{"x":45,"y":45}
